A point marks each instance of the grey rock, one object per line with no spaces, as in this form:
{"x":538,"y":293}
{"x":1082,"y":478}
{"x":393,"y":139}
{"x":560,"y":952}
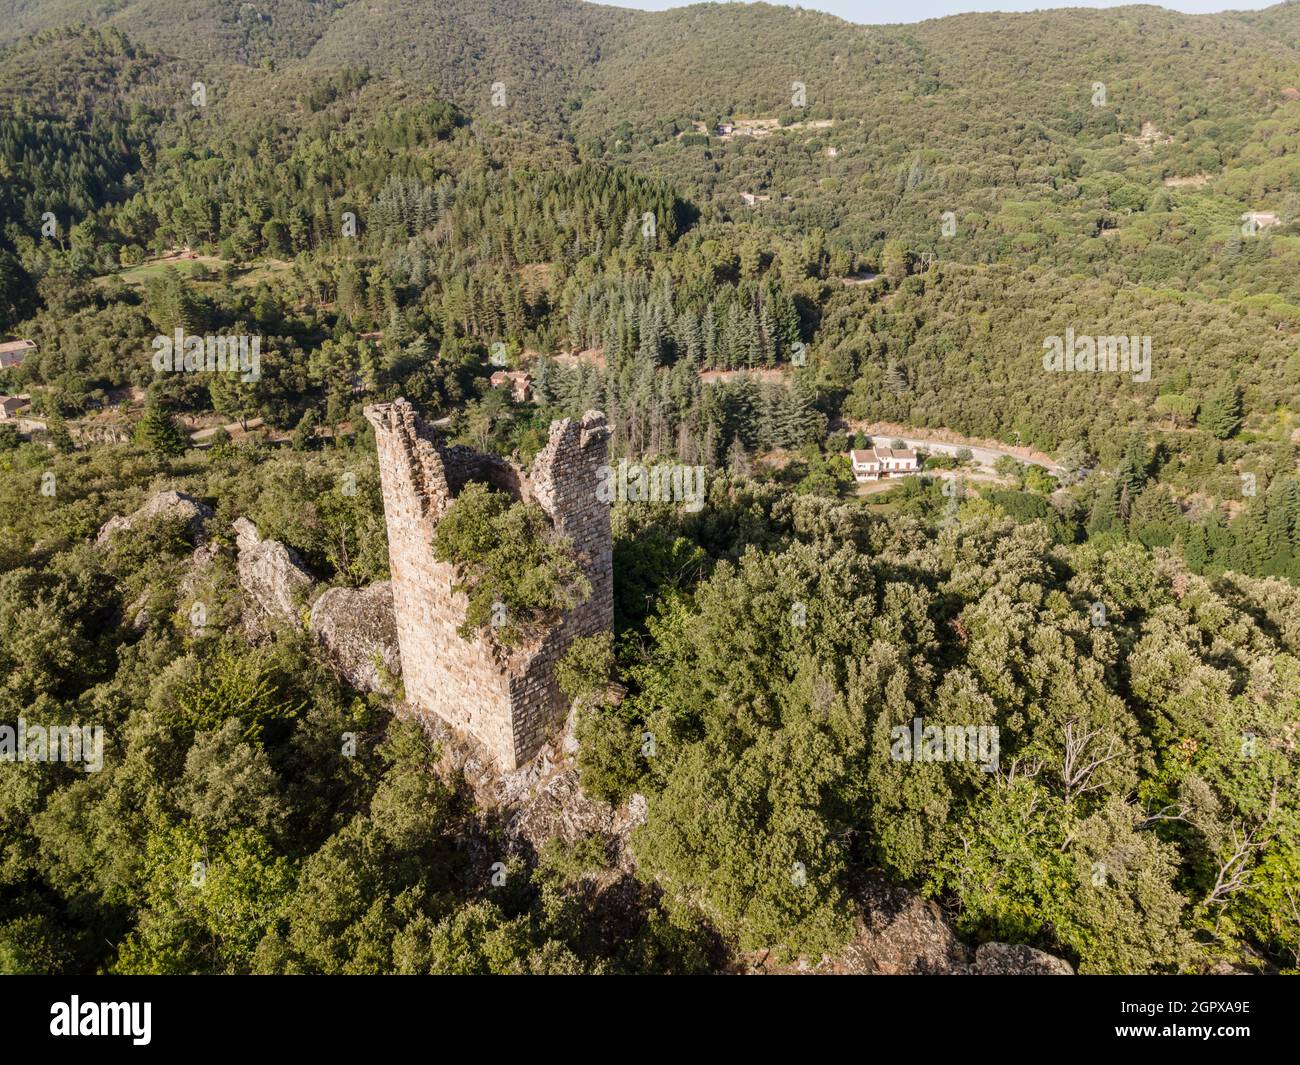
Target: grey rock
{"x":901,"y":932}
{"x":173,"y":504}
{"x":271,"y":576}
{"x":1009,"y":959}
{"x":356,"y":625}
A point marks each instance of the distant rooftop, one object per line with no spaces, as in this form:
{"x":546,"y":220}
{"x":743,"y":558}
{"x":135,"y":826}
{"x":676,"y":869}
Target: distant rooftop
{"x":877,"y":454}
{"x":13,"y":351}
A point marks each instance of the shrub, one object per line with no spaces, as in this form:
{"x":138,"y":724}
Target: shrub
{"x":586,"y":666}
{"x":515,"y":570}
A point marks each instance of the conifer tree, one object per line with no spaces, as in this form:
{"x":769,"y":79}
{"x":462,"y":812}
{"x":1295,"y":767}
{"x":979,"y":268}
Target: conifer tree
{"x":158,"y":432}
{"x":1105,"y":512}
{"x":1221,"y":413}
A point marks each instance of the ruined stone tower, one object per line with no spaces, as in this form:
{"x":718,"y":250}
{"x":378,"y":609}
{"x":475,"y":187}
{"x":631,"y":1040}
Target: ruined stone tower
{"x":509,"y":701}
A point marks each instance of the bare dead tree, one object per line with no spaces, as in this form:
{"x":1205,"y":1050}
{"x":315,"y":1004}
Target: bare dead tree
{"x":1023,"y":767}
{"x":1234,"y":873}
{"x":1173,"y":812}
{"x":1080,"y":763}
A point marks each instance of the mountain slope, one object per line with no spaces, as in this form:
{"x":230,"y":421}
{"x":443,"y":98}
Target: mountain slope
{"x":603,"y":66}
{"x":201,"y":30}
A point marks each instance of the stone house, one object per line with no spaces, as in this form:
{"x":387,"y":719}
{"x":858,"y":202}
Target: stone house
{"x":519,"y":382}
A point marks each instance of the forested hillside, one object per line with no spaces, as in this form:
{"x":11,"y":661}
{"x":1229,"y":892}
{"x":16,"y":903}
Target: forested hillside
{"x":754,"y":237}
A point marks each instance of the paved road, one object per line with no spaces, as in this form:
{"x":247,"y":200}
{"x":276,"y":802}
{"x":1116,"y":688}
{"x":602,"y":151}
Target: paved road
{"x":985,"y":456}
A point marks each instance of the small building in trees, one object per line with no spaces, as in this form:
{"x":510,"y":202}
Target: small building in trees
{"x":882,"y":463}
{"x":11,"y":406}
{"x":12,"y":352}
{"x":519,"y":382}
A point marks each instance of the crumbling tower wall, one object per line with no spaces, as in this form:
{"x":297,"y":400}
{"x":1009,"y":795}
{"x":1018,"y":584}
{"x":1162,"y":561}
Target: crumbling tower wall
{"x":509,"y":701}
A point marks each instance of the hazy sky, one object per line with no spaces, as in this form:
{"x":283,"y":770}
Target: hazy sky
{"x":877,"y":12}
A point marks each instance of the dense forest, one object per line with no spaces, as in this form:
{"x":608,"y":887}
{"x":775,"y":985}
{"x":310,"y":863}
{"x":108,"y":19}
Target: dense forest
{"x":747,"y":257}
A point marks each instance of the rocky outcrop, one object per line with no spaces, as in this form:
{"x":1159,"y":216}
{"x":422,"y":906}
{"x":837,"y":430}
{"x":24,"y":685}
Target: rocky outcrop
{"x":356,"y":626}
{"x":272,"y":578}
{"x":173,"y":505}
{"x":520,"y":813}
{"x":902,"y":933}
{"x":1010,"y":959}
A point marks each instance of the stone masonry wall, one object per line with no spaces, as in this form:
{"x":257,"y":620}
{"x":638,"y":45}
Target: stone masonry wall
{"x":509,"y":701}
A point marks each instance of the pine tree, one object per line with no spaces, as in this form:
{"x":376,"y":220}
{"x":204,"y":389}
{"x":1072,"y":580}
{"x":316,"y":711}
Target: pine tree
{"x":157,"y":432}
{"x":895,"y":379}
{"x":798,"y":421}
{"x":1277,"y":531}
{"x":737,"y":458}
{"x":1105,"y":512}
{"x":710,"y":338}
{"x":1196,"y":550}
{"x":1221,"y":413}
{"x":305,"y":432}
{"x":1289,"y":502}
{"x":1135,"y":467}
{"x":1252,"y":551}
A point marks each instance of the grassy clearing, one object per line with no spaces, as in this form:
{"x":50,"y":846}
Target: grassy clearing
{"x":247,"y":276}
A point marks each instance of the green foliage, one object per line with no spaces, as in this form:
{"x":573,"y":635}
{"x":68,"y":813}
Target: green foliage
{"x":231,"y":682}
{"x":744,"y":823}
{"x":611,"y":752}
{"x":570,"y":861}
{"x":1220,"y":415}
{"x":205,"y":907}
{"x":651,"y":561}
{"x":515,"y":570}
{"x":1027,"y":507}
{"x":157,"y":432}
{"x":772,"y":641}
{"x":795,"y":722}
{"x":586,"y":667}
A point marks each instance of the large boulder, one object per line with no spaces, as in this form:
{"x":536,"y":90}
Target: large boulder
{"x":272,"y":577}
{"x":1012,"y":959}
{"x":356,"y":626}
{"x":900,"y":932}
{"x":173,"y":504}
